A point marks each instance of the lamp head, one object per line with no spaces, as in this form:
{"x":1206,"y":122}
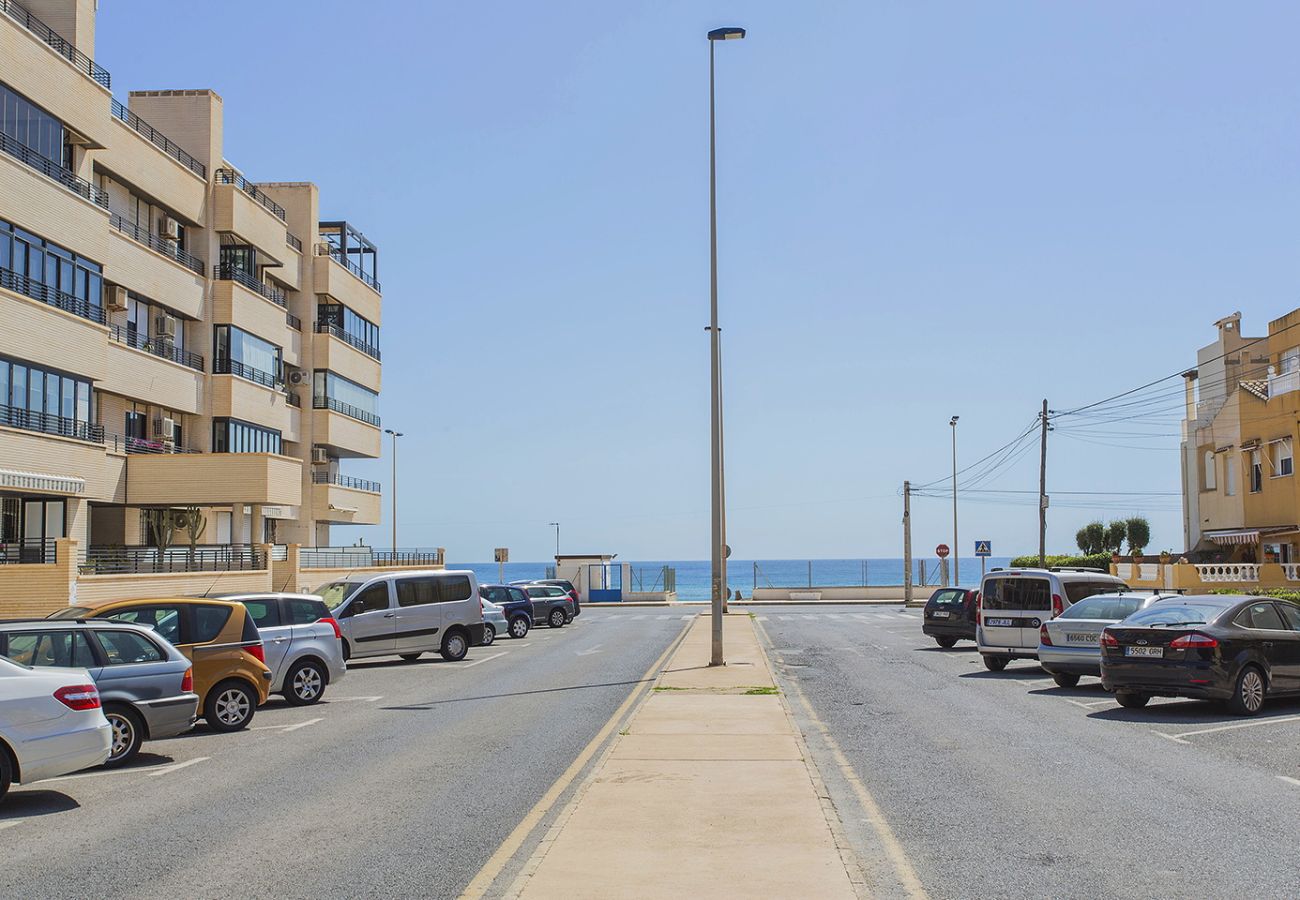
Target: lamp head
{"x":953,"y":420}
{"x":726,"y":34}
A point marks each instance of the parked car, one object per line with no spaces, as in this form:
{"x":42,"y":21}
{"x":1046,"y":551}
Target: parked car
{"x":146,"y":686}
{"x":1070,"y":645}
{"x":1218,"y":647}
{"x":514,"y":603}
{"x":949,"y":616}
{"x":51,"y":724}
{"x":407,"y":614}
{"x":551,"y":604}
{"x":1014,"y":604}
{"x":302,"y":641}
{"x":494,"y":620}
{"x":219,"y":639}
{"x":560,"y":583}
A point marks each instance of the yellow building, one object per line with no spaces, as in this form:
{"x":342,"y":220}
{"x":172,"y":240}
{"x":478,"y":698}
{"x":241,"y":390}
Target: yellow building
{"x":176,"y":334}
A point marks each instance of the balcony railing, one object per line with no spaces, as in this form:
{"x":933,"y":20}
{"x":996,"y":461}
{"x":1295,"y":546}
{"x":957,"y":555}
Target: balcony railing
{"x":346,"y":408}
{"x":365,"y":557}
{"x":293,"y":398}
{"x":158,"y":243}
{"x":21,"y":284}
{"x":28,"y":551}
{"x":125,"y":443}
{"x":339,"y":257}
{"x":230,"y":176}
{"x":347,"y":481}
{"x":48,"y":423}
{"x":230,"y":272}
{"x":159,"y":140}
{"x":1215,"y":572}
{"x":51,"y":169}
{"x":292,"y":241}
{"x":131,"y":560}
{"x":330,"y":328}
{"x":1283,"y":383}
{"x":222,"y":366}
{"x":57,"y":42}
{"x":159,"y":348}
{"x":293,"y":321}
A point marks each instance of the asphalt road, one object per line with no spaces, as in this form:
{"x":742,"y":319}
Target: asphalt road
{"x":402,"y":782}
{"x":1003,"y":785}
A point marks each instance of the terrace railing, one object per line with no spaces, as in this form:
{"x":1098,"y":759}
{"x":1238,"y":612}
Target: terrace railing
{"x":159,"y":140}
{"x":158,"y":243}
{"x":229,"y":272}
{"x":331,"y":328}
{"x":57,"y":42}
{"x":230,"y":176}
{"x":223,"y":366}
{"x":131,"y":560}
{"x":159,"y":348}
{"x":47,"y":423}
{"x":51,"y":169}
{"x":346,"y":409}
{"x":341,"y":258}
{"x":21,"y":284}
{"x":346,"y":481}
{"x":28,"y":551}
{"x":366,"y":557}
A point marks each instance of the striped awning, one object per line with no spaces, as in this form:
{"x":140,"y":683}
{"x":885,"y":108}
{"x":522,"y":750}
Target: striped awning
{"x":39,"y":481}
{"x":1233,"y":537}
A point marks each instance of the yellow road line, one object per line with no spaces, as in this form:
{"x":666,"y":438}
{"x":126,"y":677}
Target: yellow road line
{"x":510,"y":846}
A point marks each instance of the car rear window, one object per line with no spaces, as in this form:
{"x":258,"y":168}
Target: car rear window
{"x":454,"y":587}
{"x":209,"y":619}
{"x":1103,"y":607}
{"x":495,"y":594}
{"x":1260,"y":615}
{"x":1016,"y":593}
{"x":948,"y":598}
{"x":1175,"y":614}
{"x":517,"y":594}
{"x":1078,"y":590}
{"x":71,"y":612}
{"x":305,"y":612}
{"x":166,"y":620}
{"x":416,"y":591}
{"x":49,"y":648}
{"x":265,"y":613}
{"x":124,"y":647}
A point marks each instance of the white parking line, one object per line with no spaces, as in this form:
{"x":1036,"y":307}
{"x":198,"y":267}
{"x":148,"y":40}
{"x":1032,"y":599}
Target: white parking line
{"x":483,"y":660}
{"x":1179,"y":738}
{"x":761,"y":618}
{"x":11,"y":823}
{"x":347,"y":699}
{"x":301,"y":725}
{"x":862,"y":617}
{"x":167,"y":770}
{"x":1287,"y":778}
{"x":140,"y":770}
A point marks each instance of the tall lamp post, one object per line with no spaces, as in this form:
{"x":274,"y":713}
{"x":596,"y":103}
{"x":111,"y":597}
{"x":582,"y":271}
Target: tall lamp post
{"x":556,"y":526}
{"x":956,"y":548}
{"x":396,"y":435}
{"x":715,"y":382}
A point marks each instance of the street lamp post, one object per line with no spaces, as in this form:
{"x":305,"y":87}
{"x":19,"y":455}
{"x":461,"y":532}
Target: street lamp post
{"x":715,"y":381}
{"x":556,"y":526}
{"x":396,"y":435}
{"x":956,"y":547}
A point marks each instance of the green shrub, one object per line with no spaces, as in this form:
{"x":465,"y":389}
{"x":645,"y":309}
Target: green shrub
{"x":1279,"y":593}
{"x":1099,"y":561}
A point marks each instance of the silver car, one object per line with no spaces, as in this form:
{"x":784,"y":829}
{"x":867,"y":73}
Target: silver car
{"x":302,"y":642}
{"x":1069,"y":646}
{"x":145,"y":684}
{"x":494,"y":622}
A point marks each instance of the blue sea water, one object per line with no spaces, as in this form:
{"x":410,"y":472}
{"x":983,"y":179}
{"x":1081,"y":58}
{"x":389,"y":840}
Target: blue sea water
{"x":694,"y":576}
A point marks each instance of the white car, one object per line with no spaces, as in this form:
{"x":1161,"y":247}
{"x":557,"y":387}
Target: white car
{"x":51,"y":723}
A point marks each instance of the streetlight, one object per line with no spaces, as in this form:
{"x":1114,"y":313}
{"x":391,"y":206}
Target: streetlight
{"x":556,"y":526}
{"x":715,"y":382}
{"x":956,"y":548}
{"x":396,"y":435}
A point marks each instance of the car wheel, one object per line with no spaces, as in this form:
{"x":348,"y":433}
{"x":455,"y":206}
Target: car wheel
{"x":230,"y":706}
{"x":411,"y":657}
{"x":128,"y":733}
{"x":6,"y":772}
{"x":995,"y":663}
{"x":518,"y":627}
{"x":1130,"y":700}
{"x":1064,"y":680}
{"x":556,"y":618}
{"x":1248,"y":694}
{"x":489,"y":634}
{"x":454,"y":646}
{"x":305,"y":683}
{"x":946,"y":642}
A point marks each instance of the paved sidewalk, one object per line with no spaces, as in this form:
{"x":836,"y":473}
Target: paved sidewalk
{"x":705,"y":794}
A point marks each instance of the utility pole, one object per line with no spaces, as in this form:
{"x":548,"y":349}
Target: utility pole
{"x":956,"y":546}
{"x":1042,"y":489}
{"x":396,"y":435}
{"x":907,"y":542}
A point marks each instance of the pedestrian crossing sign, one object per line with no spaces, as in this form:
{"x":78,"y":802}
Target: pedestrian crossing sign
{"x":983,"y":548}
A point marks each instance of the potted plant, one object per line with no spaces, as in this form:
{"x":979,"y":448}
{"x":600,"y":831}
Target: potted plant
{"x":1166,"y":556}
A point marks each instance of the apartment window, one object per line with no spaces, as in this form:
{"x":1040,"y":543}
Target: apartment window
{"x":36,"y":266}
{"x":33,"y":127}
{"x":1283,"y":461}
{"x":240,"y":256}
{"x":39,"y":399}
{"x":140,"y":314}
{"x":331,"y":391}
{"x":347,"y":325}
{"x":236,"y":436}
{"x":1230,"y":475}
{"x":1209,"y":471}
{"x":1256,"y":472}
{"x":1290,"y":361}
{"x":239,"y":353}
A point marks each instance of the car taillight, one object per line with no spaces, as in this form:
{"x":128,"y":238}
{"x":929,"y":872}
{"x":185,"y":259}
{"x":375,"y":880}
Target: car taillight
{"x":333,"y":623}
{"x":1044,"y":638}
{"x":1193,"y":641}
{"x":78,"y":696}
{"x":1108,"y":639}
{"x":1058,"y":606}
{"x":187,"y":681}
{"x":256,"y":651}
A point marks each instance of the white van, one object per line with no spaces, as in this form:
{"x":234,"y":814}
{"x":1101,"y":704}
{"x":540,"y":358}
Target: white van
{"x":1014,"y":603}
{"x":407,"y":613}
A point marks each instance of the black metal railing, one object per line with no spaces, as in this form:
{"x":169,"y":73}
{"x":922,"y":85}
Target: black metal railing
{"x":159,"y":348}
{"x":231,"y":272}
{"x":159,"y":140}
{"x":293,"y":321}
{"x":292,"y":241}
{"x":347,"y":409}
{"x":346,"y":481}
{"x":28,"y":551}
{"x":125,"y":443}
{"x":352,"y":340}
{"x":51,"y":169}
{"x":48,"y":423}
{"x":230,"y":176}
{"x":365,"y":557}
{"x":341,"y":258}
{"x":222,"y":366}
{"x":156,"y":242}
{"x":60,"y":45}
{"x":119,"y":560}
{"x":21,"y":284}
{"x":293,"y":398}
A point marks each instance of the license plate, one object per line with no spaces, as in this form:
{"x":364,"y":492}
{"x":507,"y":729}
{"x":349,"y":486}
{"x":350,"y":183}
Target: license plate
{"x":940,"y":614}
{"x":998,"y":623}
{"x":1082,"y":638}
{"x":1144,"y":651}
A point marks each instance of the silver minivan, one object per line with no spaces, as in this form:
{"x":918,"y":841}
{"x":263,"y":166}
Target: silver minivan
{"x":407,"y":613}
{"x":1014,"y":604}
{"x":302,"y":642}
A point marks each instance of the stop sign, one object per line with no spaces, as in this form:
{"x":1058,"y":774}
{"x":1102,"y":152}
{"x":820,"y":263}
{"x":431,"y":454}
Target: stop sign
{"x":941,"y":551}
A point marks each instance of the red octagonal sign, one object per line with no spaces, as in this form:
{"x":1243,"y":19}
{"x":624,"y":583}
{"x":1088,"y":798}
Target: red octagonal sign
{"x":942,"y":551}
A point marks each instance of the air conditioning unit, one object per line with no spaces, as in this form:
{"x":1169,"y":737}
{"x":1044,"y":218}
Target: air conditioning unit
{"x":320,"y":456}
{"x":164,"y":327}
{"x":298,"y":376}
{"x":164,"y":429}
{"x":116,"y":297}
{"x":169,"y":228}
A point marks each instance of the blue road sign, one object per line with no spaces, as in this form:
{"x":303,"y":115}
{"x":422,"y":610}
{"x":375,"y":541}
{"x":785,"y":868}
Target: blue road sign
{"x":983,"y":548}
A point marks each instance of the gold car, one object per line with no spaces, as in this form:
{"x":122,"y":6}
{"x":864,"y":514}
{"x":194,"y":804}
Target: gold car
{"x":221,"y":641}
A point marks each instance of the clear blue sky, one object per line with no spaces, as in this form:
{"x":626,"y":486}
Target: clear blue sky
{"x":926,"y":209}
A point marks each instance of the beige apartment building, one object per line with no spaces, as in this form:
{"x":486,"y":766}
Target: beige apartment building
{"x":177,"y":335}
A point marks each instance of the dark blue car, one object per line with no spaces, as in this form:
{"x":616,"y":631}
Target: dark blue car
{"x":514,"y":602}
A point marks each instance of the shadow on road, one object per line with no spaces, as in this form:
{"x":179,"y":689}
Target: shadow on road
{"x":1033,"y":673}
{"x":937,"y":649}
{"x":576,"y":687}
{"x":1195,"y":712}
{"x":23,"y":804}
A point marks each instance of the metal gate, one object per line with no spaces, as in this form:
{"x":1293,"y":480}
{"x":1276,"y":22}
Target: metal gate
{"x":605,"y":583}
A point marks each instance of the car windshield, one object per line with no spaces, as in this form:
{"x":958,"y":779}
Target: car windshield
{"x":952,"y":597}
{"x":335,"y":592}
{"x":1101,"y":606}
{"x":1175,"y":614}
{"x":71,"y":612}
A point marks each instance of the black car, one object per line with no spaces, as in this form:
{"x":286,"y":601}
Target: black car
{"x":1220,"y":647}
{"x":515,"y":604}
{"x":559,"y":583}
{"x":950,"y":616}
